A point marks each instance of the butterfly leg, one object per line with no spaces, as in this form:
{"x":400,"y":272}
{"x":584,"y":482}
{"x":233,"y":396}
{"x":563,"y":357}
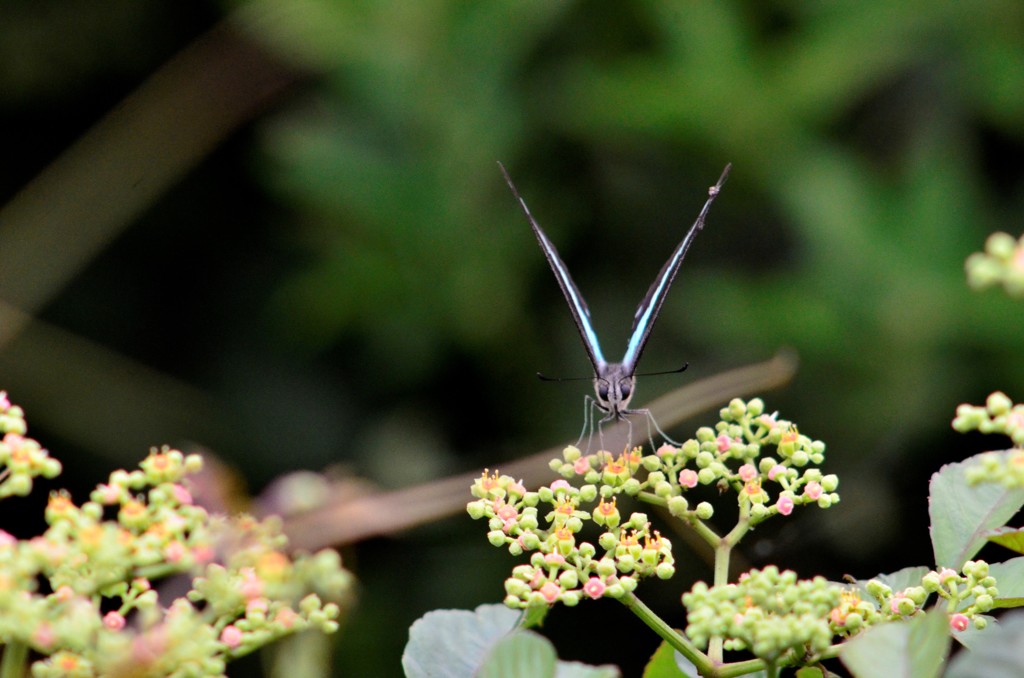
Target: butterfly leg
{"x":589,"y":403}
{"x":652,"y":422}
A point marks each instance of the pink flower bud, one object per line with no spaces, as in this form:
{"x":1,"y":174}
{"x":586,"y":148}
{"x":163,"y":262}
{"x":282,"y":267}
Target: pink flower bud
{"x":958,"y":622}
{"x":231,"y":636}
{"x":594,"y":587}
{"x":550,"y":591}
{"x":747,"y":472}
{"x":813,"y":490}
{"x":113,"y":621}
{"x":784,"y":505}
{"x":724,"y":443}
{"x":688,"y":478}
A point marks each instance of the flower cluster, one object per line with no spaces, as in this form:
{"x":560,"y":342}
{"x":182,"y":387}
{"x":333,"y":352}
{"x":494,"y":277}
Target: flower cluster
{"x":82,"y":594}
{"x":968,"y":597}
{"x":563,"y":567}
{"x":735,"y":454}
{"x":22,"y":459}
{"x":999,"y":415}
{"x":1002,"y":262}
{"x":767,"y":612}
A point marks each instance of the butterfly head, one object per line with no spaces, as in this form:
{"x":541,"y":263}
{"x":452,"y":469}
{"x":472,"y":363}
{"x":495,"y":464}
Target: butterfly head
{"x":614,"y":386}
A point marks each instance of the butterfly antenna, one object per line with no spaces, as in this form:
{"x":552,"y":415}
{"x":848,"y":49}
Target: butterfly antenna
{"x":655,"y":374}
{"x":544,"y":377}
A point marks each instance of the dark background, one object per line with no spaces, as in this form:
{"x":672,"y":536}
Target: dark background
{"x":315,"y":260}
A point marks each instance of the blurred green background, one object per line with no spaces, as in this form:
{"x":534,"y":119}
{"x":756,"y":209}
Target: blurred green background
{"x":290,"y":244}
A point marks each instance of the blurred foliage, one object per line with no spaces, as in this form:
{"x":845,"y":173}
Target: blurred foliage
{"x":356,"y":281}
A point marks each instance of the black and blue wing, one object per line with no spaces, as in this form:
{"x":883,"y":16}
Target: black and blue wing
{"x":580,"y":312}
{"x":647,"y":311}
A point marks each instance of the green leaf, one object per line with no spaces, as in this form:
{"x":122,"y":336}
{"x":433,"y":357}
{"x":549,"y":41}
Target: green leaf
{"x":962,"y":515}
{"x":1010,"y":537}
{"x":485,"y":643}
{"x":915,"y":648}
{"x":1010,"y":582}
{"x":663,"y":664}
{"x":994,"y":653}
{"x":455,"y":642}
{"x":523,"y":653}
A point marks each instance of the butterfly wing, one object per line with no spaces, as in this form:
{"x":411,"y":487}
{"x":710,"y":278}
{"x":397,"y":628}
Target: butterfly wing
{"x":647,"y":311}
{"x":580,"y":312}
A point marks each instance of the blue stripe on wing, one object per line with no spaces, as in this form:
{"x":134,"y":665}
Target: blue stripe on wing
{"x":647,"y":311}
{"x":580,"y":312}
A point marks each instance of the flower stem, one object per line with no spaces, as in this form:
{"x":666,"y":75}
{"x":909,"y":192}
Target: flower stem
{"x":13,"y":663}
{"x":674,"y":638}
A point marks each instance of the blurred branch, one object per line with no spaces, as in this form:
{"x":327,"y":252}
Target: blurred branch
{"x":63,"y":218}
{"x":92,"y":382}
{"x":86,"y":197}
{"x":346,"y":519}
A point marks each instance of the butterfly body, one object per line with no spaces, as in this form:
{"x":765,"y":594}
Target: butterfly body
{"x":615,"y":383}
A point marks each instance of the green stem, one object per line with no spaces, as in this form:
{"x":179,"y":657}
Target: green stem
{"x":677,"y":640}
{"x":13,"y":663}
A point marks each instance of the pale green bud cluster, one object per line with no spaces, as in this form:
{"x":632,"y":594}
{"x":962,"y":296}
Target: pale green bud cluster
{"x":1002,"y":263}
{"x":21,"y":459}
{"x":767,"y":612}
{"x":968,"y":597}
{"x":999,"y":415}
{"x":97,"y":613}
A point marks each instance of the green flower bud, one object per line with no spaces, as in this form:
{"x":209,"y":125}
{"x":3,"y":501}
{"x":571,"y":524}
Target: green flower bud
{"x":737,"y":408}
{"x":628,"y":583}
{"x":513,"y":601}
{"x":570,"y":598}
{"x":755,"y":408}
{"x":830,"y":482}
{"x":980,"y":622}
{"x":652,"y":462}
{"x":984,"y":602}
{"x":706,"y":476}
{"x":705,"y":510}
{"x":690,"y":448}
{"x":571,"y":453}
{"x":514,"y":548}
{"x":632,"y":487}
{"x":705,"y":434}
{"x":663,"y":489}
{"x":999,"y":403}
{"x":800,"y":458}
{"x":608,"y":541}
{"x":625,"y":562}
{"x":665,"y":570}
{"x":568,"y":579}
{"x":19,"y":484}
{"x":1000,"y":245}
{"x":51,"y":468}
{"x":678,"y":505}
{"x":556,"y":466}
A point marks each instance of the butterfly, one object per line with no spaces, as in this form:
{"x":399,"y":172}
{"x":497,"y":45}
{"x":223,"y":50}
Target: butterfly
{"x":615,"y":383}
